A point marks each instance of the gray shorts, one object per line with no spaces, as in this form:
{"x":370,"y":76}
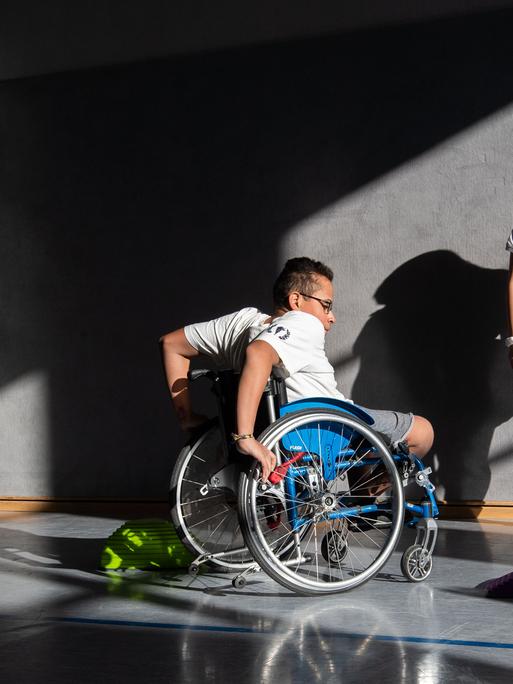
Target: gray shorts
{"x":391,"y":425}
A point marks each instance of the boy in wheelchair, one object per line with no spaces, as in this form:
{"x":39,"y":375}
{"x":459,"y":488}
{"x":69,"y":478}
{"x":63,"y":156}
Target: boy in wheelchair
{"x":290,"y":344}
{"x":328,"y":516}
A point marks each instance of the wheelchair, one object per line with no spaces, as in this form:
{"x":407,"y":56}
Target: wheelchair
{"x":332,"y":512}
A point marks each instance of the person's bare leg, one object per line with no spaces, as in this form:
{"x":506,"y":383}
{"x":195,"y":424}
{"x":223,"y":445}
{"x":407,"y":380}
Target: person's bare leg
{"x":421,"y":436}
{"x":419,"y":440}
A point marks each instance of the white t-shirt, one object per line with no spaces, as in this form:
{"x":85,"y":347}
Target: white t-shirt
{"x":509,"y":243}
{"x":225,"y":339}
{"x":297,"y":337}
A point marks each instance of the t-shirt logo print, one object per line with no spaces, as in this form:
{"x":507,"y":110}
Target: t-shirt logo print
{"x":277,"y":329}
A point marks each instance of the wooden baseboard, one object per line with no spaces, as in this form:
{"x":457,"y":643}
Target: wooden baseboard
{"x":85,"y":506}
{"x":476,"y":510}
{"x":449,"y":510}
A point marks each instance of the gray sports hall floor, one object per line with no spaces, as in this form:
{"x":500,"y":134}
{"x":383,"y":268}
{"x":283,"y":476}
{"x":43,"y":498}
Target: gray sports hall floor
{"x":62,"y":620}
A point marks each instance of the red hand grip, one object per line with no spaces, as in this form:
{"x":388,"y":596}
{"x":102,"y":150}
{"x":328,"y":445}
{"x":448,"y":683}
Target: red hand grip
{"x":280,"y":471}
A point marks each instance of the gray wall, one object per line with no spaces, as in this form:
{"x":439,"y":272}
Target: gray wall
{"x":58,"y":35}
{"x":136,"y":198}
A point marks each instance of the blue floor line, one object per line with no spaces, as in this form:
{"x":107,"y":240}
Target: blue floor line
{"x":251,"y":630}
{"x":158,"y":625}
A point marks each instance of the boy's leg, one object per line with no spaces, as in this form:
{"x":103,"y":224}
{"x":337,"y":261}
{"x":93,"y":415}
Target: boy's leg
{"x":395,"y":427}
{"x":421,"y":436}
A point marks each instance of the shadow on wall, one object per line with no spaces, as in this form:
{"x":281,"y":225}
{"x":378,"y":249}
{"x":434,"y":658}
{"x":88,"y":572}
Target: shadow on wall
{"x":432,"y":349}
{"x":136,"y":199}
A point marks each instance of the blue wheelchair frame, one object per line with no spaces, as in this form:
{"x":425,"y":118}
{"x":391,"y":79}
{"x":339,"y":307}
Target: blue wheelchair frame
{"x":423,"y":514}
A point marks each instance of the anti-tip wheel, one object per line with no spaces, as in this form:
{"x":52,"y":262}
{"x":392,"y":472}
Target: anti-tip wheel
{"x":193,"y":569}
{"x":416,"y":563}
{"x":239,"y":582}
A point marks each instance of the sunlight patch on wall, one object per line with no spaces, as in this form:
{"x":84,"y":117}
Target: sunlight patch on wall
{"x":25,"y":436}
{"x":456,"y":196}
{"x":501,"y":462}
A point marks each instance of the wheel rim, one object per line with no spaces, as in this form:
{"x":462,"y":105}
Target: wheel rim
{"x":369,"y":541}
{"x":418,"y":564}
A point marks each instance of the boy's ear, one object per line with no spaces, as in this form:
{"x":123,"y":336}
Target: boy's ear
{"x":294,"y":300}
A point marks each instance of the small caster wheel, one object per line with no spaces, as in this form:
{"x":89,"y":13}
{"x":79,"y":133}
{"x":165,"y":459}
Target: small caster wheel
{"x":334,"y":547}
{"x":239,"y":582}
{"x":416,"y":563}
{"x":193,"y":569}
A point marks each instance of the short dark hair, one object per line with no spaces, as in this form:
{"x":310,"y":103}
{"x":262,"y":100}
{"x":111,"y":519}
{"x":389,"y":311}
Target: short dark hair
{"x":300,"y":275}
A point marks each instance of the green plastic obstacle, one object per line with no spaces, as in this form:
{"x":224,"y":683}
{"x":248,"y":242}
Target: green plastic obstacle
{"x":150,"y":544}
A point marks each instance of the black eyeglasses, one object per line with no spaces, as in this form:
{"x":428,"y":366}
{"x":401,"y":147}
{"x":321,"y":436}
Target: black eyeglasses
{"x":326,"y":304}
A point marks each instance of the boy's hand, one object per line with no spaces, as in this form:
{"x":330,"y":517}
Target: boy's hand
{"x":254,"y":449}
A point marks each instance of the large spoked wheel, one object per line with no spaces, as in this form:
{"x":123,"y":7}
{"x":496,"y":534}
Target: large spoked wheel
{"x":341,"y":504}
{"x":203,"y":500}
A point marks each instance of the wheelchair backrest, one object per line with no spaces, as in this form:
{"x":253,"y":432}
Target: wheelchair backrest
{"x":225,"y":385}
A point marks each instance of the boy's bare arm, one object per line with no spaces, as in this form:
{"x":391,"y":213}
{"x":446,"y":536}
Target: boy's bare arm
{"x":260,"y":359}
{"x":176,"y":355}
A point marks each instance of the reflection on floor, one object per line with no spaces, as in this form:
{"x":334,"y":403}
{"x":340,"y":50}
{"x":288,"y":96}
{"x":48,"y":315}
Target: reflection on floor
{"x":62,"y":620}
